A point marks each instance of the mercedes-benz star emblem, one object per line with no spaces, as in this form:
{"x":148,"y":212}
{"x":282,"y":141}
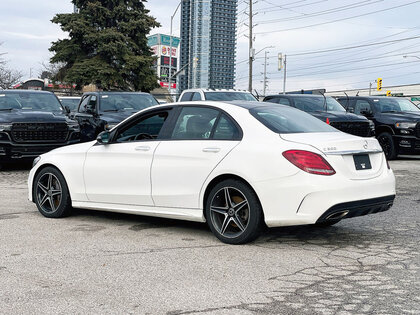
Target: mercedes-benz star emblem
{"x":365,"y":145}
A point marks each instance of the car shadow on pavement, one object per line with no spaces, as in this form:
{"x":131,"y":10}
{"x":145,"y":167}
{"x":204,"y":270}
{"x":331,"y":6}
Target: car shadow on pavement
{"x":137,"y":222}
{"x":291,"y":235}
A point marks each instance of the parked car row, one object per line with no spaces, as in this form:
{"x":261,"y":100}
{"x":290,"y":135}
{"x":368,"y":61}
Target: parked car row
{"x":34,"y":122}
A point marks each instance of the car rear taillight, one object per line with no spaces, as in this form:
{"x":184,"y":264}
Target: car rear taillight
{"x":328,"y":121}
{"x":309,"y":162}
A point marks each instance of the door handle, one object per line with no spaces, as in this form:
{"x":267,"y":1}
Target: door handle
{"x":212,"y":150}
{"x":142,"y":148}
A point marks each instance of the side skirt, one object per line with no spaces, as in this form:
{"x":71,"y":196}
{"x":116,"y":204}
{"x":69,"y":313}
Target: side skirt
{"x":162,"y":212}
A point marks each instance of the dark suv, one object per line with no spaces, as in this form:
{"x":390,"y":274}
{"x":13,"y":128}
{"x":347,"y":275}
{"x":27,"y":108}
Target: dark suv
{"x":32,"y":123}
{"x":328,"y":110}
{"x":99,"y":111}
{"x":397,"y":122}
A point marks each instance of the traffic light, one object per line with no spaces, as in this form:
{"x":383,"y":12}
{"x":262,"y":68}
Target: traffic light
{"x":379,"y":84}
{"x":388,"y":93}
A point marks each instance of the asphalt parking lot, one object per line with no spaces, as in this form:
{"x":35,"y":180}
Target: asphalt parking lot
{"x":97,"y":262}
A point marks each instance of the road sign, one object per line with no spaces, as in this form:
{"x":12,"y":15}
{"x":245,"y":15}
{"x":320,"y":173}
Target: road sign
{"x":280,"y":66}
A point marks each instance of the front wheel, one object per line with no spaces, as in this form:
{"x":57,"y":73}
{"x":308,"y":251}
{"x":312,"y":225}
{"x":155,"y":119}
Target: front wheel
{"x":51,"y":194}
{"x":388,"y":145}
{"x":233,"y":212}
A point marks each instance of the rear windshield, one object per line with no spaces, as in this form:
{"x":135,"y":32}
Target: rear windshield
{"x":318,"y":103}
{"x":29,"y":101}
{"x":115,"y":102}
{"x":285,"y":119}
{"x":229,"y":96}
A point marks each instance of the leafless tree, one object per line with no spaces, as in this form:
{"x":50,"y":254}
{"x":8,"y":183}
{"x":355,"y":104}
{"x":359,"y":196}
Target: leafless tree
{"x":52,"y":71}
{"x":8,"y":77}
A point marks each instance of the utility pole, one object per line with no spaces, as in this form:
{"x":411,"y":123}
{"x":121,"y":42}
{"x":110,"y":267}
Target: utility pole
{"x":284,"y":75}
{"x":370,"y":88}
{"x":265,"y":74}
{"x":251,"y":51}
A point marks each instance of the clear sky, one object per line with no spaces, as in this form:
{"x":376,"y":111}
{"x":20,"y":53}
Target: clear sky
{"x":291,"y":26}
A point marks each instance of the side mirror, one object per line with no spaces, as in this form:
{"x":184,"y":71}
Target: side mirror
{"x":366,"y":112}
{"x":67,"y":109}
{"x":103,"y":137}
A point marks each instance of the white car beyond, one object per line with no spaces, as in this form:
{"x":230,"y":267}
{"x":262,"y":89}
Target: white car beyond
{"x":236,"y":165}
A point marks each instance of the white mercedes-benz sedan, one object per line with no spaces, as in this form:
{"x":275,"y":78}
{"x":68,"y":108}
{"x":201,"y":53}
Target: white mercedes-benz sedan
{"x":236,"y":165}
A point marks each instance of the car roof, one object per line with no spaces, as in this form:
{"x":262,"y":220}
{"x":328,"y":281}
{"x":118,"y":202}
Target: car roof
{"x":69,"y":97}
{"x":296,"y":95}
{"x":116,"y":92}
{"x":369,"y":97}
{"x":215,"y":90}
{"x":25,"y":91}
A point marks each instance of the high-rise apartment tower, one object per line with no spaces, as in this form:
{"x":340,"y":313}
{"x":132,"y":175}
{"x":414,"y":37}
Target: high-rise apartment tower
{"x":208,"y":44}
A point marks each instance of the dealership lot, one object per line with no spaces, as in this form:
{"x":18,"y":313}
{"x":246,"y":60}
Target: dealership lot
{"x":97,"y":262}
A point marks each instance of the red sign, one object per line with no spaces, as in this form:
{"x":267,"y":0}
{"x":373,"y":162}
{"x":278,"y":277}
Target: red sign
{"x":166,"y":85}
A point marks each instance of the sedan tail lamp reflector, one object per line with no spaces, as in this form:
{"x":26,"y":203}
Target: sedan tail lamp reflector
{"x":309,"y":162}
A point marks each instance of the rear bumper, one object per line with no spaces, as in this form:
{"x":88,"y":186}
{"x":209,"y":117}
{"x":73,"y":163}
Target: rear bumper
{"x":357,"y":208}
{"x":305,"y":198}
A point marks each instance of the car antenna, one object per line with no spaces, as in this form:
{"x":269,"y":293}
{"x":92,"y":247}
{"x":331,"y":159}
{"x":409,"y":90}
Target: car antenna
{"x":325,"y":100}
{"x":348,"y":100}
{"x":357,"y":93}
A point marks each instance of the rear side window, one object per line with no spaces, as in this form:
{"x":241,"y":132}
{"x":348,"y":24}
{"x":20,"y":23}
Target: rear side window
{"x":226,"y":130}
{"x":289,"y":120}
{"x":195,"y":123}
{"x":196,"y":97}
{"x":186,"y":97}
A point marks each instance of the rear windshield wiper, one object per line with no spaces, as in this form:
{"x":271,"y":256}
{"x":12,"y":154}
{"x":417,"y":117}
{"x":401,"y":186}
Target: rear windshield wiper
{"x":7,"y":109}
{"x":390,"y":111}
{"x":111,"y":110}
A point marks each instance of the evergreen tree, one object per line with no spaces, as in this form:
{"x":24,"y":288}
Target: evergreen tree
{"x":107,"y":45}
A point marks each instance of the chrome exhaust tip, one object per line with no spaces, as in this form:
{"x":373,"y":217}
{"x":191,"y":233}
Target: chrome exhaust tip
{"x":337,"y":215}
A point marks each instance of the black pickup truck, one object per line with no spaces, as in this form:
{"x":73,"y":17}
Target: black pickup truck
{"x":328,"y":110}
{"x":99,"y":111}
{"x":32,"y":123}
{"x":397,"y":121}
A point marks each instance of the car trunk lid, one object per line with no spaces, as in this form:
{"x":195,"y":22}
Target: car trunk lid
{"x":354,"y":157}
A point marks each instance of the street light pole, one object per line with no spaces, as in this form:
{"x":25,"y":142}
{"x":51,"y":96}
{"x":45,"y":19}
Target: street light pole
{"x":251,"y":49}
{"x":265,"y":73}
{"x":170,"y":50}
{"x":284,"y":75}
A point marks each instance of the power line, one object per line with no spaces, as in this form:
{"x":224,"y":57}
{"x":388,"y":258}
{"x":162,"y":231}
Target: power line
{"x":338,"y":20}
{"x":353,"y":47}
{"x":323,"y":12}
{"x":352,"y":61}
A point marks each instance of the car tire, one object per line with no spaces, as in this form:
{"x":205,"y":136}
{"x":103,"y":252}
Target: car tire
{"x":388,"y":145}
{"x":51,"y":194}
{"x":234,"y":213}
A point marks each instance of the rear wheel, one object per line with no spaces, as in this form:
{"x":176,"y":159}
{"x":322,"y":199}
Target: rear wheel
{"x":388,"y":145}
{"x":233,"y":212}
{"x":51,"y":193}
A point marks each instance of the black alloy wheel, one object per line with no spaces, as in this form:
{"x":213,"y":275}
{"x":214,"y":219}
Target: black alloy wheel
{"x":388,"y":145}
{"x":233,"y":212}
{"x":51,"y":194}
